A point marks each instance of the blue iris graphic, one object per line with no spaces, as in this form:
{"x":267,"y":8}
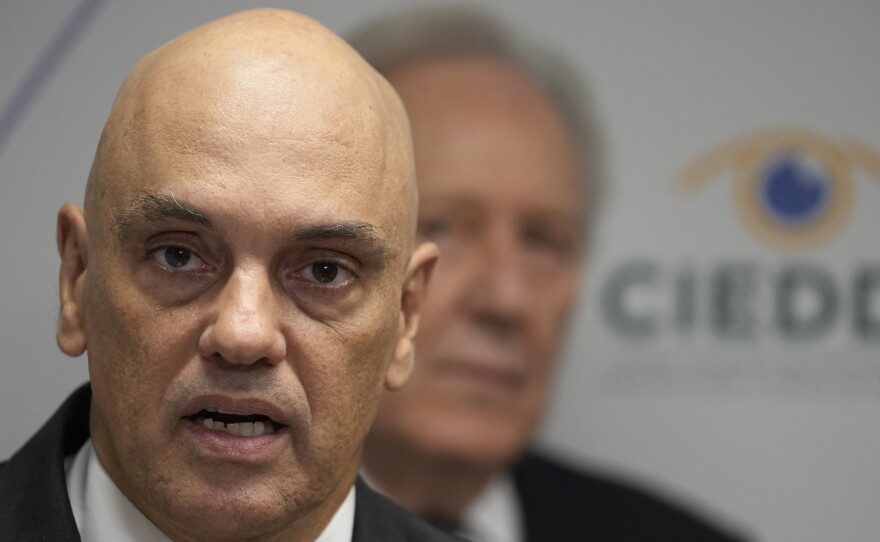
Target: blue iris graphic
{"x":794,"y":188}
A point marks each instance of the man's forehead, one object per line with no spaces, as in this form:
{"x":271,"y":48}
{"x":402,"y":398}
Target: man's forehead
{"x":488,"y":137}
{"x":473,"y":80}
{"x":249,"y":94}
{"x":251,"y":111}
{"x":468,"y":95}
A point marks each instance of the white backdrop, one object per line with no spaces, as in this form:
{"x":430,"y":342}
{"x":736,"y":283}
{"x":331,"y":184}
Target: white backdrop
{"x":704,"y":360}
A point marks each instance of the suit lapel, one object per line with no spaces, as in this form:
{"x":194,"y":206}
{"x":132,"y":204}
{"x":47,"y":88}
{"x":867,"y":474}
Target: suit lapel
{"x":33,"y":487}
{"x":371,"y":521}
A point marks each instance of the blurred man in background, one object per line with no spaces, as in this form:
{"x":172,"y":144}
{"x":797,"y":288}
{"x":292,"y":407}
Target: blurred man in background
{"x":508,"y":172}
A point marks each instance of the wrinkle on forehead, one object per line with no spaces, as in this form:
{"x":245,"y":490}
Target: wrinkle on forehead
{"x":251,"y":81}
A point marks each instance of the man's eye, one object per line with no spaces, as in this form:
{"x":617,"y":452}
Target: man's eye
{"x":538,"y":239}
{"x":558,"y":244}
{"x":177,"y":258}
{"x":326,"y":273}
{"x":433,"y":228}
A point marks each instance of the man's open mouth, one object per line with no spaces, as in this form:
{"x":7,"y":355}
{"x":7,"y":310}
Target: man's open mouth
{"x":251,"y":425}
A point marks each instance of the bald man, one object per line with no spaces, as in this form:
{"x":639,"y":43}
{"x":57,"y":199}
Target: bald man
{"x":245,"y":281}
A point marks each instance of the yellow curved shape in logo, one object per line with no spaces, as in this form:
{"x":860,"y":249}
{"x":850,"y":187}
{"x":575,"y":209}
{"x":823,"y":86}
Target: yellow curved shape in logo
{"x":749,"y":156}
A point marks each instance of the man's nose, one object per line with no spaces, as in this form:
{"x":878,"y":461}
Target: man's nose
{"x":501,"y":296}
{"x":246,"y":327}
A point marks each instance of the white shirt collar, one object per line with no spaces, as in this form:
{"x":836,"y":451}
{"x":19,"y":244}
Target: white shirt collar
{"x":102,"y":512}
{"x":494,"y":516}
{"x":341,"y":526}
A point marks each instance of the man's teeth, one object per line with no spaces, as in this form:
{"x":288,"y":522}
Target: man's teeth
{"x":244,"y":429}
{"x":217,"y":410}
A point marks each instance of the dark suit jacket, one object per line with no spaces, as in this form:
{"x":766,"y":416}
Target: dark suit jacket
{"x":561,"y":505}
{"x":33,"y":489}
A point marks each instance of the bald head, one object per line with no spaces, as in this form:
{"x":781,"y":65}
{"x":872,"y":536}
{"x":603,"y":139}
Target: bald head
{"x":264,"y":78}
{"x":247,"y":247}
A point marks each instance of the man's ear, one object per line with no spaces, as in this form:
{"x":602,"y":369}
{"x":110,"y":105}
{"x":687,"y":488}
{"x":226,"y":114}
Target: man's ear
{"x":415,"y":289}
{"x":72,"y":239}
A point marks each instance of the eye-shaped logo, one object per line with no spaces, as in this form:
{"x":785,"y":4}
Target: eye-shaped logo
{"x":793,"y":188}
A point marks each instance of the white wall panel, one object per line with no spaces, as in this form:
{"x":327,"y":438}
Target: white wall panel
{"x":775,"y":435}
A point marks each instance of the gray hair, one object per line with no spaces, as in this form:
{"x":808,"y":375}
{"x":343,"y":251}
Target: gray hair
{"x":413,"y":35}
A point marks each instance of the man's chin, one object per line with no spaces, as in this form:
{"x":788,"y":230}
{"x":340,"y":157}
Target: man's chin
{"x":215,"y":515}
{"x":487,"y":447}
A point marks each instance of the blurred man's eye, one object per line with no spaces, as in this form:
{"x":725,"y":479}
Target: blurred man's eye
{"x":554,"y":243}
{"x":434,"y":228}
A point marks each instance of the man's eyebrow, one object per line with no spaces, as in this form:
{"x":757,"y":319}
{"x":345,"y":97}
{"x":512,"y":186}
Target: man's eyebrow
{"x":152,"y":207}
{"x":361,"y":234}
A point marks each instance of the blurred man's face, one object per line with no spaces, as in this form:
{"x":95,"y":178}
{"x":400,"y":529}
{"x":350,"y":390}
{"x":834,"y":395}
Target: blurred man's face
{"x":246,"y":260}
{"x":498,"y":181}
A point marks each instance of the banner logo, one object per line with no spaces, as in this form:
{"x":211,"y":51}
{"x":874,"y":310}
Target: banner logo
{"x":793,"y":188}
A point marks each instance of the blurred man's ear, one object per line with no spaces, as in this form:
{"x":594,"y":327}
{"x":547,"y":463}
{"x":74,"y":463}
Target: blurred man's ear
{"x":415,"y":289}
{"x":72,"y":239}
